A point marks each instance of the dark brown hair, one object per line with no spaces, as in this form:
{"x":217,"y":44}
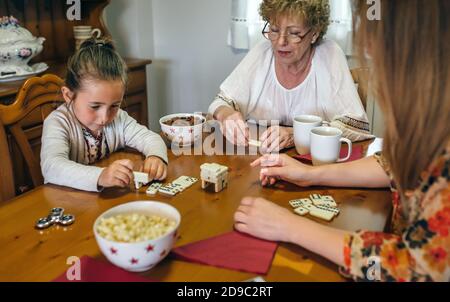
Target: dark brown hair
{"x":96,"y":59}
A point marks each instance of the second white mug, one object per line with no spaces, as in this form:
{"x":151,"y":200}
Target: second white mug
{"x":326,"y":146}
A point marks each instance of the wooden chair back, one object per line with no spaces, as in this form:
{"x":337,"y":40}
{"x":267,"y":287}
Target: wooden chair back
{"x":22,"y":130}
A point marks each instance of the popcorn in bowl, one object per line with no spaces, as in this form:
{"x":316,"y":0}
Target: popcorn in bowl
{"x":137,"y":235}
{"x":134,"y":227}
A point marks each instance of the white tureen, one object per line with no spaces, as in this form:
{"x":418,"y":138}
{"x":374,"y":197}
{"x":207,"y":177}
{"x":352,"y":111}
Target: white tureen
{"x":17,"y":48}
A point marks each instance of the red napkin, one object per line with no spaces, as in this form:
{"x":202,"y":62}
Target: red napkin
{"x":92,"y":270}
{"x":232,"y":250}
{"x":357,"y":153}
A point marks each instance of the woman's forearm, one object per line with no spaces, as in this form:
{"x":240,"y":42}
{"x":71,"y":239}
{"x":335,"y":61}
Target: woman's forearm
{"x":317,"y":238}
{"x":222,"y":113}
{"x":365,"y":172}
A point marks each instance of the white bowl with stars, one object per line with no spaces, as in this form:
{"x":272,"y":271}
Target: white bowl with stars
{"x":139,"y":256}
{"x":177,"y":129}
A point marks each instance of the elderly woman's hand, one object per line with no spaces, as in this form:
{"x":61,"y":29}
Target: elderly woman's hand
{"x":263,"y":219}
{"x":277,"y":138}
{"x":233,"y":126}
{"x":284,"y":167}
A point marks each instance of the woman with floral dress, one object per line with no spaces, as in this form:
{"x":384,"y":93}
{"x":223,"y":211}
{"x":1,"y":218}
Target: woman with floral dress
{"x":408,"y":50}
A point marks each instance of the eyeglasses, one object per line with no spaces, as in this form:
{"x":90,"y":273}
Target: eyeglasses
{"x":272,"y":35}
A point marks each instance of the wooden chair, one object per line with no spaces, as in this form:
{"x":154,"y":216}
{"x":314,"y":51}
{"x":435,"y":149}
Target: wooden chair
{"x":23,"y":120}
{"x":361,"y":78}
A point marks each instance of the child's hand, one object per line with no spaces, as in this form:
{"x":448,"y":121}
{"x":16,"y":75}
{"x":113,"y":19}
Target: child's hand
{"x":155,"y":167}
{"x":118,"y":174}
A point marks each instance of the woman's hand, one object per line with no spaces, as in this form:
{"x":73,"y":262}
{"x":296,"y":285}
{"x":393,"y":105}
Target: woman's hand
{"x":263,"y":219}
{"x":277,"y":138}
{"x":118,"y":174}
{"x":284,"y":167}
{"x":155,"y":167}
{"x":233,"y":126}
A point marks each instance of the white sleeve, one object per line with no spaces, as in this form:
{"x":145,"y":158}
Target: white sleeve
{"x":344,"y":108}
{"x":57,"y":168}
{"x":142,"y":139}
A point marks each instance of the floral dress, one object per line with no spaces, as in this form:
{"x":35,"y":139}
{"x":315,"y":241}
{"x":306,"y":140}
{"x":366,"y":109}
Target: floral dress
{"x":97,"y":147}
{"x":419,"y":247}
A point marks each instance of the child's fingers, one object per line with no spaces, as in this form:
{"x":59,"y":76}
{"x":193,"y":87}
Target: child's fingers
{"x":122,"y":179}
{"x":160,"y":172}
{"x":129,"y":177}
{"x":164,"y":172}
{"x":147,"y":166}
{"x":164,"y":176}
{"x":126,"y":163}
{"x":153,"y":171}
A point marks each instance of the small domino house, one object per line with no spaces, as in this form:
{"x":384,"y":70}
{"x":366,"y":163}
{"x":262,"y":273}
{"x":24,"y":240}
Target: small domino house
{"x":214,"y":173}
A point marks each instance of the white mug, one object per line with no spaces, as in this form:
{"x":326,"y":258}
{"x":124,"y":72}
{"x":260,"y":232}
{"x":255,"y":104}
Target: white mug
{"x":326,"y":145}
{"x":303,"y":125}
{"x":85,"y":32}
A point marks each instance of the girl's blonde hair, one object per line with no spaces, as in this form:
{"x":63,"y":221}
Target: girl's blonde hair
{"x":95,"y":60}
{"x":315,"y":13}
{"x":409,"y":50}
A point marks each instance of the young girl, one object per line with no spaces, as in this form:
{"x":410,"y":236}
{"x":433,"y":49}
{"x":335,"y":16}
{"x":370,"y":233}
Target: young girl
{"x":91,"y":125}
{"x":409,"y":49}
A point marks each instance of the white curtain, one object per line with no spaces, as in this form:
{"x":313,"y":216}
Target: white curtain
{"x":246,"y":24}
{"x":340,"y":29}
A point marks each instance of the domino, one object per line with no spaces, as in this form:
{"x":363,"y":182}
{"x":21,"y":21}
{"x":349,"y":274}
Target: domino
{"x":295,"y":203}
{"x":299,"y":202}
{"x":314,"y":197}
{"x":254,"y":143}
{"x":306,"y":201}
{"x":327,"y":197}
{"x":177,"y":187}
{"x":215,"y":174}
{"x":141,"y":177}
{"x":322,"y":202}
{"x":329,"y":200}
{"x":320,"y":213}
{"x":301,"y":211}
{"x":153,"y":188}
{"x":185,"y":181}
{"x":173,"y":187}
{"x":167,"y":191}
{"x":331,"y":209}
{"x":192,"y":180}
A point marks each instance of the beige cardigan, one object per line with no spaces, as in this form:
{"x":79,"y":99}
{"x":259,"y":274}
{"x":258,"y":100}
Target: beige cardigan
{"x":63,"y":160}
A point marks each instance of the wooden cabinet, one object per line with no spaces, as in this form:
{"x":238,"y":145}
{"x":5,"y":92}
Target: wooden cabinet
{"x":47,"y":18}
{"x":135,"y":101}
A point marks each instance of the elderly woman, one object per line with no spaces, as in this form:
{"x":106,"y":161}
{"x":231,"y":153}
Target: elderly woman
{"x":294,"y":72}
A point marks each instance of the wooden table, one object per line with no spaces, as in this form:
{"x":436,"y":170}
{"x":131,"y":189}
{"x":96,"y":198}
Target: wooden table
{"x":27,"y":254}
